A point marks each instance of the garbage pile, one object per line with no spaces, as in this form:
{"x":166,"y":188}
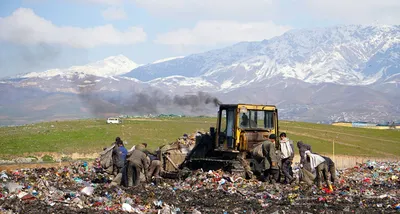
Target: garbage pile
{"x":174,"y":154}
{"x":188,"y":140}
{"x":78,"y":188}
{"x":184,"y":144}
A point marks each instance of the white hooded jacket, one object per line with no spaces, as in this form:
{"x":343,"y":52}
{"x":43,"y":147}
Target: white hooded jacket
{"x":315,"y":159}
{"x":286,"y":148}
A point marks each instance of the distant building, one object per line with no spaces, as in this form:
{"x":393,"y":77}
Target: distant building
{"x":362,"y":124}
{"x":346,"y":124}
{"x":368,"y":125}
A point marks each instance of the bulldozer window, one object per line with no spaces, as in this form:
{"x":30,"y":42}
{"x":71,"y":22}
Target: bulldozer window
{"x":222,"y":126}
{"x":244,"y":120}
{"x":269,"y":119}
{"x":227,"y":127}
{"x":261,"y":119}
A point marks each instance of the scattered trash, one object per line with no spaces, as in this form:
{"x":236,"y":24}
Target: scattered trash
{"x":22,"y":194}
{"x":196,"y":212}
{"x":127,"y":207}
{"x":87,"y":190}
{"x":368,"y":187}
{"x":13,"y":187}
{"x":3,"y":175}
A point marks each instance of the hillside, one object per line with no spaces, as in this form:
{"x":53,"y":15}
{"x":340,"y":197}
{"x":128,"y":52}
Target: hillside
{"x":91,"y":136}
{"x":329,"y":74}
{"x":347,"y":55}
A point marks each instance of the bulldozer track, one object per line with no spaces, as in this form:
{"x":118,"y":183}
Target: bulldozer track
{"x":340,"y":143}
{"x":235,"y":165}
{"x":213,"y":160}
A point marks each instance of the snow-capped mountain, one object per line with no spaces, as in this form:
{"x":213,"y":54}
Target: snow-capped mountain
{"x":181,"y":85}
{"x":349,"y":55}
{"x":167,"y":59}
{"x":322,"y":74}
{"x":110,"y":66}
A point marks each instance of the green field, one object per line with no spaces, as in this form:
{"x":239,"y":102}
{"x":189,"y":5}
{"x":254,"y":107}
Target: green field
{"x":348,"y":140}
{"x":90,"y":136}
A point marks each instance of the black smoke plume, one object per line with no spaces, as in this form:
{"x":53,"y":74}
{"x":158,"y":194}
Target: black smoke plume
{"x":147,"y":101}
{"x":196,"y":100}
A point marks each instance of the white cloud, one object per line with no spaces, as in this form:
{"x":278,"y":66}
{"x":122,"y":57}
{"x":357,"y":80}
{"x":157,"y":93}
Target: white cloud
{"x":210,"y":9}
{"x":332,"y":11}
{"x":215,"y":32}
{"x":114,"y":13}
{"x":356,"y":11}
{"x":106,"y":2}
{"x":25,"y":27}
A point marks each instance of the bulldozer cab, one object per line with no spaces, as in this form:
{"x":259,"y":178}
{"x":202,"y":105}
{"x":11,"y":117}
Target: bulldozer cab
{"x":241,"y":126}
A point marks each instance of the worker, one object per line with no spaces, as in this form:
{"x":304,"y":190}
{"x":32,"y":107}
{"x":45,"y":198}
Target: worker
{"x":155,"y":164}
{"x":185,"y":137}
{"x":287,"y":155}
{"x":320,"y":166}
{"x":135,"y":164}
{"x":303,"y":160}
{"x":245,"y":121}
{"x":118,"y":156}
{"x":120,"y":153}
{"x":123,"y":152}
{"x":331,"y":168}
{"x":271,"y":167}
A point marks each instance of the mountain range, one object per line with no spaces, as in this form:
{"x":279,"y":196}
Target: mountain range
{"x":319,"y":75}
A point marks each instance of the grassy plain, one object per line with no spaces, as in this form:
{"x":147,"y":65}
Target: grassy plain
{"x":348,"y":140}
{"x":90,"y":136}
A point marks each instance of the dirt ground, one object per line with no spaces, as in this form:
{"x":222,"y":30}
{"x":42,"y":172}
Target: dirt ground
{"x":13,"y":167}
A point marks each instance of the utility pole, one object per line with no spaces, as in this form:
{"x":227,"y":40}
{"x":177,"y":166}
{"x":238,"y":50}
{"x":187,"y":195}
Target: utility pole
{"x":333,"y":150}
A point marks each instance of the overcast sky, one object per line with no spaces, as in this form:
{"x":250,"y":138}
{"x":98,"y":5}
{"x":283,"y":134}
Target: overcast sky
{"x":36,"y":35}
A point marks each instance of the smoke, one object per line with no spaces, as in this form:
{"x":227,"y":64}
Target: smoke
{"x":93,"y":101}
{"x":146,"y":101}
{"x":155,"y":102}
{"x":19,"y":59}
{"x":38,"y":56}
{"x":196,"y":101}
{"x":16,"y":59}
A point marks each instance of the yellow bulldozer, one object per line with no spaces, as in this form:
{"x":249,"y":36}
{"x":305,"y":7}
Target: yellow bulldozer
{"x":229,"y":145}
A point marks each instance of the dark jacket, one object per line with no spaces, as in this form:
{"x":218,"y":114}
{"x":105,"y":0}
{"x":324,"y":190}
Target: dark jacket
{"x":328,"y":161}
{"x":302,"y":149}
{"x":271,"y":159}
{"x":124,"y":153}
{"x":118,"y":156}
{"x":150,"y":155}
{"x":139,"y":158}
